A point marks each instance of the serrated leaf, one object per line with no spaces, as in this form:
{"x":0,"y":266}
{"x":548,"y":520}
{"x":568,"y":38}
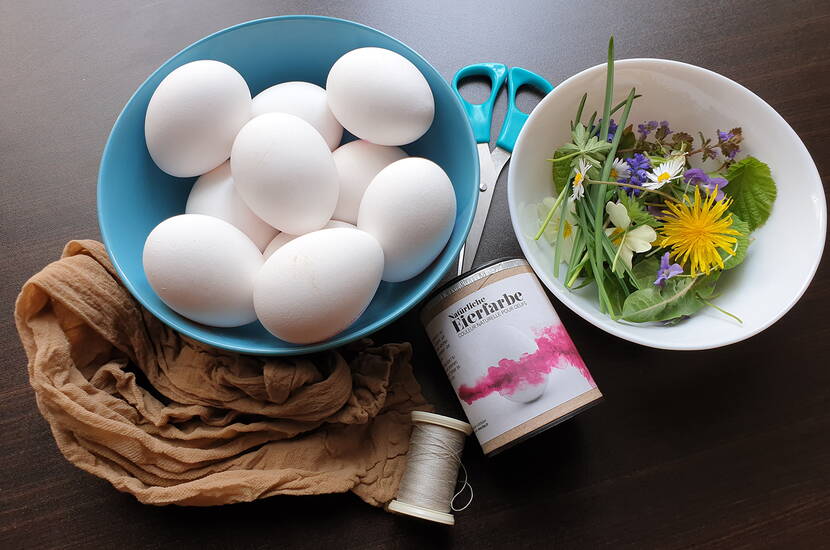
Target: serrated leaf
{"x":580,"y":135}
{"x":561,"y":171}
{"x":681,"y":296}
{"x":740,"y":247}
{"x":594,"y":146}
{"x":753,"y":191}
{"x":637,"y":212}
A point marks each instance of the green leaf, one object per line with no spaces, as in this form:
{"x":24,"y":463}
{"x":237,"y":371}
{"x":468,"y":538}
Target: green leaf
{"x":740,"y":248}
{"x":628,"y":138}
{"x":561,"y":170}
{"x":753,"y":191}
{"x":637,"y":212}
{"x":692,"y":301}
{"x":681,"y":296}
{"x":645,"y":272}
{"x":595,"y":146}
{"x":616,"y":293}
{"x":579,"y":135}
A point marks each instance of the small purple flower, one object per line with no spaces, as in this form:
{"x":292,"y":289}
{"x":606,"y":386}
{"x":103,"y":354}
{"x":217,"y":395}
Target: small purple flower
{"x":646,"y":128}
{"x":665,"y":126}
{"x":612,"y":129}
{"x":728,"y":149}
{"x":666,"y":270}
{"x":696,"y":176}
{"x":639,"y":165}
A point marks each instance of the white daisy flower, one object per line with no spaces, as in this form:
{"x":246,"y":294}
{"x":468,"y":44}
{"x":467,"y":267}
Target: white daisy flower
{"x":619,"y":170}
{"x":578,"y":187}
{"x":627,"y":242}
{"x":664,"y":173}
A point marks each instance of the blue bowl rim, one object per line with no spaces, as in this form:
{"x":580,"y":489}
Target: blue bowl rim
{"x":412,"y":300}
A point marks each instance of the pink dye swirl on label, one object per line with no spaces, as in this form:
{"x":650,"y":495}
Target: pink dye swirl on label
{"x":555,"y":350}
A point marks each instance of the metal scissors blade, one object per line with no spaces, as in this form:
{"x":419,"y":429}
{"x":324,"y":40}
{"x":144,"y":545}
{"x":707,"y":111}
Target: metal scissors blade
{"x":481,"y":116}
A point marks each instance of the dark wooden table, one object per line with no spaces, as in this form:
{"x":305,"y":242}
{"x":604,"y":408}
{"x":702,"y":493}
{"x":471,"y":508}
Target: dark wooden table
{"x":727,"y":448}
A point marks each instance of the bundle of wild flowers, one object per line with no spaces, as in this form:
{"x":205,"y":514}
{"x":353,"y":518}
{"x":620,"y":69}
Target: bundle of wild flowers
{"x":633,"y":216}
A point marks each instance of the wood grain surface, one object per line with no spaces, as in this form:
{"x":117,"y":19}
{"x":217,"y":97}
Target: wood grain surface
{"x":723,"y":449}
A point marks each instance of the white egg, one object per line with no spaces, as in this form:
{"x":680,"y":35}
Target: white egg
{"x":358,"y":163}
{"x":410,"y":209}
{"x":285,"y":173}
{"x":318,"y":284}
{"x":305,"y":100}
{"x":380,"y":96}
{"x":203,"y":268}
{"x":194,"y":116}
{"x":213,"y":194}
{"x":283,"y":238}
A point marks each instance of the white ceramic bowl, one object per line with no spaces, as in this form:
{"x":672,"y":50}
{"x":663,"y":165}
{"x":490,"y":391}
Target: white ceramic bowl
{"x":786,"y":251}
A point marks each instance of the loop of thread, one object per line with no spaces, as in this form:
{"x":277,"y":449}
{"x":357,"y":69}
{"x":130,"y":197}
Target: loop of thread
{"x":431,"y":473}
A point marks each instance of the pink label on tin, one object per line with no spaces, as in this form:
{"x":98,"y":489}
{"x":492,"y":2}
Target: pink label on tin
{"x":507,"y":354}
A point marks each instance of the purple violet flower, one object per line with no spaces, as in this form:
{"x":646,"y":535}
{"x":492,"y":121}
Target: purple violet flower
{"x":725,"y":136}
{"x":666,"y":270}
{"x":665,"y":125}
{"x":696,"y":176}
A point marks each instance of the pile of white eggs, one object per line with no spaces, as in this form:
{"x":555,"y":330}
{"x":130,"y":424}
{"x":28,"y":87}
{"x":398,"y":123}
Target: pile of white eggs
{"x":284,"y":224}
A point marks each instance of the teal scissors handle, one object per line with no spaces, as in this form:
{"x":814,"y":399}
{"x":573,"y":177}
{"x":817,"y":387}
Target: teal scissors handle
{"x":515,"y":119}
{"x":481,"y":115}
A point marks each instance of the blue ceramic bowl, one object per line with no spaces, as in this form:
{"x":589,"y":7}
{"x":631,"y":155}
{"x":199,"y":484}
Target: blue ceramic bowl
{"x":134,"y":195}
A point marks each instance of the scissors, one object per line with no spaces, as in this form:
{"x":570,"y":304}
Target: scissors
{"x":481,"y":117}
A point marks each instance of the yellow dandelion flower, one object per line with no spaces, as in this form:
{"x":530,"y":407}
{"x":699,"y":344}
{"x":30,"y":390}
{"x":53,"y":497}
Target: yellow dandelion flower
{"x":697,"y":231}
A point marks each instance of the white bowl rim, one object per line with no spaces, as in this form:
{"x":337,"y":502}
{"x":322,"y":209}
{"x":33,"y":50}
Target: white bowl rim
{"x":618,"y":329}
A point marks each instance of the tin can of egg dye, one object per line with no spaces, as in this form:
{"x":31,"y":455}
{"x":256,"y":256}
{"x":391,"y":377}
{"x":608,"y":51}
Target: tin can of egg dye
{"x":510,"y":360}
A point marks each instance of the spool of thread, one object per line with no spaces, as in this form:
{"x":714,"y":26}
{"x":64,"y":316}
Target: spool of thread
{"x":427,"y":489}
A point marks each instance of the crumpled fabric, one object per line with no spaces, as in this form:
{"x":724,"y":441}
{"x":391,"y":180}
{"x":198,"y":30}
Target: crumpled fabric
{"x":173,"y":421}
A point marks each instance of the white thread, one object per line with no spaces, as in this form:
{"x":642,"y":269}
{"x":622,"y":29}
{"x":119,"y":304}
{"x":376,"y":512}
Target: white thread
{"x":432,"y":466}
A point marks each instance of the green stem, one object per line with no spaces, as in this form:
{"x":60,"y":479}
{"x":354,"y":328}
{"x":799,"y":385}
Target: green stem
{"x":617,"y":253}
{"x":609,"y":92}
{"x":550,"y":212}
{"x":621,"y":104}
{"x":645,"y":190}
{"x":557,"y":256}
{"x":579,"y":109}
{"x":566,"y":157}
{"x":710,"y":304}
{"x":577,"y":270}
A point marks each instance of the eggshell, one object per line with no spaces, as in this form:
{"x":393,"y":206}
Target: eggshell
{"x":380,"y":96}
{"x":194,"y":116}
{"x":305,"y":100}
{"x":318,"y":284}
{"x":203,"y":268}
{"x":285,"y":173}
{"x":357,"y":164}
{"x":213,"y":194}
{"x":410,"y":209}
{"x":283,"y":238}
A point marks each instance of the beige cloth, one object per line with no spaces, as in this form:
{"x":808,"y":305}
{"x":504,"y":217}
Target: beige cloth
{"x":173,"y":421}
